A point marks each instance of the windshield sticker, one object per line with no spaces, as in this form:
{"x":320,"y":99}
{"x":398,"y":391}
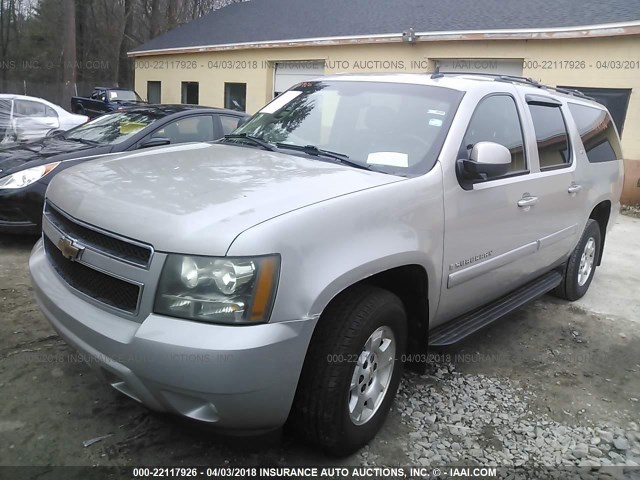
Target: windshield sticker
{"x":436,"y":112}
{"x":435,"y":122}
{"x":391,"y":159}
{"x":279,"y":102}
{"x":127,"y":128}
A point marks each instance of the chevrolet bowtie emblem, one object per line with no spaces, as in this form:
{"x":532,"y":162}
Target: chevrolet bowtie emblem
{"x":68,"y":249}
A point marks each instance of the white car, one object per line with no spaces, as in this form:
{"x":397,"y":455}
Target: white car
{"x":25,"y":118}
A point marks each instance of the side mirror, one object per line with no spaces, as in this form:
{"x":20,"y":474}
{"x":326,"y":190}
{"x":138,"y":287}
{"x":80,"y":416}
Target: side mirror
{"x":488,"y":159}
{"x":155,"y":142}
{"x":242,"y":121}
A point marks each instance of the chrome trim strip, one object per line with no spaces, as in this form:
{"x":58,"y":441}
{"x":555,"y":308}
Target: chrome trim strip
{"x":456,"y":278}
{"x":557,"y":236}
{"x":146,"y":266}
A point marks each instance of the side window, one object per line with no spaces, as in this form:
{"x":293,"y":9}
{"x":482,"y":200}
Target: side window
{"x":26,"y":108}
{"x":50,"y":112}
{"x":496,"y":120}
{"x":191,"y":129}
{"x":229,"y":124}
{"x":597,"y":133}
{"x":551,"y":136}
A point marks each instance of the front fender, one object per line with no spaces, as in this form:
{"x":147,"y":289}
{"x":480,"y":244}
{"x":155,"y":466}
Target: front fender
{"x":328,"y":246}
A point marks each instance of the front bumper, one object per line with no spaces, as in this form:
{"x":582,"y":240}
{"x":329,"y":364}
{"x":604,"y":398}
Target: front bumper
{"x":240,"y":378}
{"x":21,"y":209}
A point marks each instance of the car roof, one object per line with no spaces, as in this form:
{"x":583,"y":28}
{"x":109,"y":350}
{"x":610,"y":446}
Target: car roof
{"x":465,"y":82}
{"x":113,"y":88}
{"x":12,"y":96}
{"x":169,"y":109}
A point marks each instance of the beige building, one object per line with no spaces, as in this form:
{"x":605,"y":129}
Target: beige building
{"x":242,"y":55}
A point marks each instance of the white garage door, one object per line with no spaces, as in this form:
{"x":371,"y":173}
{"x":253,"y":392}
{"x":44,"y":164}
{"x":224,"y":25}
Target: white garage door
{"x":481,"y":65}
{"x":288,"y":74}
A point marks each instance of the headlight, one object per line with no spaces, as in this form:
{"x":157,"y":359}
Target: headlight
{"x":26,"y":177}
{"x":218,"y":290}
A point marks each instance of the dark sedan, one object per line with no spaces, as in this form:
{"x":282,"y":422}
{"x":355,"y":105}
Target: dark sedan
{"x":27,"y":169}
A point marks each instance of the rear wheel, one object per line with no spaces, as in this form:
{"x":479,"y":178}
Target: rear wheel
{"x":582,"y":264}
{"x":352,"y":370}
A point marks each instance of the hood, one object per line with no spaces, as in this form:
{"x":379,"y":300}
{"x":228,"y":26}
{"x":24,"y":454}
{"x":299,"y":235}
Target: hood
{"x":197,"y":198}
{"x":45,"y":150}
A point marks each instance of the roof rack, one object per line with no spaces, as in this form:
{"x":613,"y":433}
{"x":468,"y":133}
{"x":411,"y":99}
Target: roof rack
{"x":513,"y":79}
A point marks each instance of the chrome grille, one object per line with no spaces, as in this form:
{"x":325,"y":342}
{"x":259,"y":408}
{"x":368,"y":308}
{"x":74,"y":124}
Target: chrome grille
{"x":120,"y":249}
{"x":100,"y":286}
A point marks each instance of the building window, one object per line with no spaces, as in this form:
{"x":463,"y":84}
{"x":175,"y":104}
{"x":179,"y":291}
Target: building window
{"x":235,"y":96}
{"x":154,"y":92}
{"x":191,"y":93}
{"x":551,"y":136}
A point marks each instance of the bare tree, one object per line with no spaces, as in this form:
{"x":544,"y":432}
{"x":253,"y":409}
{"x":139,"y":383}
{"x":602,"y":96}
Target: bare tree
{"x":69,"y":53}
{"x":7,"y":25}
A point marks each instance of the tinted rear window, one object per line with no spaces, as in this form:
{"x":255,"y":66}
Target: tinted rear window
{"x":597,"y":132}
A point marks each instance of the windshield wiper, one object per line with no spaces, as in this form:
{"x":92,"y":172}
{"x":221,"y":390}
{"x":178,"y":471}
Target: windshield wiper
{"x":319,"y":152}
{"x":256,"y":140}
{"x":82,"y":140}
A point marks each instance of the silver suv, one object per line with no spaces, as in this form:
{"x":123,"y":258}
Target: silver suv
{"x":292,"y":269}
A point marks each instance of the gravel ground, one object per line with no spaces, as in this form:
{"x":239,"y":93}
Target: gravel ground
{"x":478,"y":420}
{"x":631,"y":210}
{"x":553,"y":384}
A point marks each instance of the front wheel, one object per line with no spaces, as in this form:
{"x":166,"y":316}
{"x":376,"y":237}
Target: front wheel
{"x":582,"y":264}
{"x":352,"y":370}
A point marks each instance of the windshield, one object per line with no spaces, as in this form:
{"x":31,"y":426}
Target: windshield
{"x":391,"y":127}
{"x":124,"y":96}
{"x":113,"y":128}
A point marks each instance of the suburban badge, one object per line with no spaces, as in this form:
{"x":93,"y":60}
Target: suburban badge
{"x":469,"y":261}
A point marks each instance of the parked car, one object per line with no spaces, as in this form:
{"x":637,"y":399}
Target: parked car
{"x":24,"y":118}
{"x":26,"y":170}
{"x":104,"y":100}
{"x":292,"y":269}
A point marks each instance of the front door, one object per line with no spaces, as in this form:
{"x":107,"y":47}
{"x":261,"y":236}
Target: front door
{"x":491,"y":231}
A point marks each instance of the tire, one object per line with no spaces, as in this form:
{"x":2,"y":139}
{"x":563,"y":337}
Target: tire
{"x":324,"y":400}
{"x":576,"y":280}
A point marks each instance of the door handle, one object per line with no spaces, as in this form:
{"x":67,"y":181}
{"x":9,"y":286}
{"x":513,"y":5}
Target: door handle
{"x":573,"y":189}
{"x":527,"y":201}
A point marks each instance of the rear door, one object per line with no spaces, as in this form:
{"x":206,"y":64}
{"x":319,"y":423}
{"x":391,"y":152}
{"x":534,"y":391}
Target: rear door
{"x":560,"y":184}
{"x":33,"y":119}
